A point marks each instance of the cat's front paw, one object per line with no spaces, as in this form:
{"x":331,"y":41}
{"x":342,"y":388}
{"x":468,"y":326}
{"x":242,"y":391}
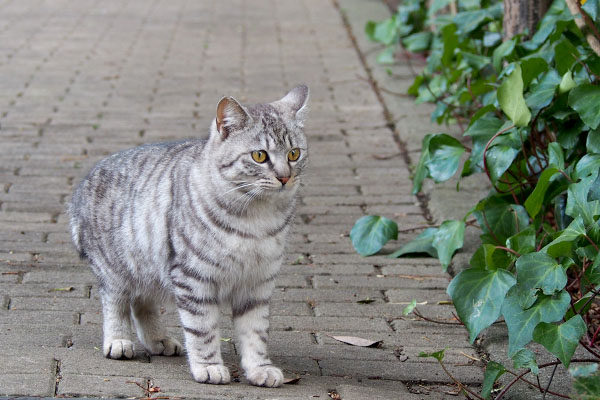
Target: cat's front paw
{"x":216,"y":374}
{"x":165,"y":347}
{"x":119,"y":348}
{"x":266,"y":375}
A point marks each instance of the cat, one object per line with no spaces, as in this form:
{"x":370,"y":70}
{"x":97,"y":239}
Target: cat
{"x":203,"y":222}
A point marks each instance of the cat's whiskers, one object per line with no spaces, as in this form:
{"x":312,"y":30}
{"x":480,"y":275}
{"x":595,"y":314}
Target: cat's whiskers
{"x":239,"y":187}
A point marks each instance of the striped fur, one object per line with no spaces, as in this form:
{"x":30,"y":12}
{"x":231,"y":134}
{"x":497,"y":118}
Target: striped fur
{"x":199,"y":222}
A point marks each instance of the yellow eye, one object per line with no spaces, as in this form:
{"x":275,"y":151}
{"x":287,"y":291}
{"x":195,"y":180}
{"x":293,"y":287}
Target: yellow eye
{"x":260,"y":156}
{"x":293,"y":154}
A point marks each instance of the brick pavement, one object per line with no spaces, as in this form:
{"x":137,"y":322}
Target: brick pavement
{"x":80,"y":79}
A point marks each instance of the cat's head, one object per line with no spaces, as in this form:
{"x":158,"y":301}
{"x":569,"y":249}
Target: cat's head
{"x":261,"y":149}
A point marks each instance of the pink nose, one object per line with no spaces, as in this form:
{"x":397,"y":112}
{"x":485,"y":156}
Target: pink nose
{"x":283,"y":179}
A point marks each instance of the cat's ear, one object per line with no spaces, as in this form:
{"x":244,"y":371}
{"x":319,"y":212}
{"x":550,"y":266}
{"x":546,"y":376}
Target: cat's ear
{"x":296,"y":101}
{"x":231,"y":116}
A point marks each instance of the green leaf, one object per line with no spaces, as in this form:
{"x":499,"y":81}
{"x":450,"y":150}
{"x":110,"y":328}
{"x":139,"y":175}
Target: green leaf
{"x":540,"y":271}
{"x":561,"y":340}
{"x":417,"y":41}
{"x":500,"y":219}
{"x":468,"y":21}
{"x":448,"y":238}
{"x":587,"y":387}
{"x":593,"y":141}
{"x":587,"y":165}
{"x":499,"y":158}
{"x":567,"y":83}
{"x":581,"y":306}
{"x":542,"y":93}
{"x":585,"y":99}
{"x":385,"y":32}
{"x":478,"y":296}
{"x":371,"y":232}
{"x":510,"y":97}
{"x":523,"y":242}
{"x":577,"y":197}
{"x":450,"y":43}
{"x":386,"y":56}
{"x":531,"y":68}
{"x":502,"y":51}
{"x":556,"y":157}
{"x":438,"y":355}
{"x":565,"y":55}
{"x":481,"y":131}
{"x":493,"y":371}
{"x":521,"y":323}
{"x":421,"y":170}
{"x":444,"y":157}
{"x":575,"y":230}
{"x":534,"y":202}
{"x":409,"y":308}
{"x":421,"y":244}
{"x":525,"y":358}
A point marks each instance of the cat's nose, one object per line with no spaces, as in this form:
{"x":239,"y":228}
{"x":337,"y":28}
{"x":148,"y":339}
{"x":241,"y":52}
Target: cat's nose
{"x":283,"y":179}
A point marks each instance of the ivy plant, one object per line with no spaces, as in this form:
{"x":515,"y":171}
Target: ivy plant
{"x":529,"y":109}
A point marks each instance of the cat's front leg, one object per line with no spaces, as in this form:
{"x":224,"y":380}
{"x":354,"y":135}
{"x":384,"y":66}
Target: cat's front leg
{"x":198,"y":309}
{"x":251,"y":322}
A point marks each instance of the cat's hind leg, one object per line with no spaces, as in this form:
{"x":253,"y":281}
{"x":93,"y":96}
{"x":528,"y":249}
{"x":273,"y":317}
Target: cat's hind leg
{"x":117,"y":327}
{"x":150,"y":329}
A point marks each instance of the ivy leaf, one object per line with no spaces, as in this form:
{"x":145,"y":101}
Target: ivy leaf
{"x":438,"y":355}
{"x":384,"y":32}
{"x":417,"y":41}
{"x":493,"y":371}
{"x":409,"y":308}
{"x":510,"y":97}
{"x":585,"y":99}
{"x":386,"y":56}
{"x":588,"y":164}
{"x":421,"y":170}
{"x":569,"y":234}
{"x":587,"y":381}
{"x":371,"y":232}
{"x":421,"y":244}
{"x":502,"y":51}
{"x":540,"y":271}
{"x":444,"y":157}
{"x":525,"y":358}
{"x":534,"y":202}
{"x":556,"y":155}
{"x":450,"y":43}
{"x":567,"y":83}
{"x":581,"y":306}
{"x":448,"y":238}
{"x":499,"y":158}
{"x":543,"y":92}
{"x":592,"y":142}
{"x":532,"y":67}
{"x":561,"y":340}
{"x":500,"y":219}
{"x":523,"y":242}
{"x":521,"y":323}
{"x":577,"y":203}
{"x":478,"y":295}
{"x":481,"y":131}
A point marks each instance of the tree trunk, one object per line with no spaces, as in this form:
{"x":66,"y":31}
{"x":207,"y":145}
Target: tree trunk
{"x":523,"y":15}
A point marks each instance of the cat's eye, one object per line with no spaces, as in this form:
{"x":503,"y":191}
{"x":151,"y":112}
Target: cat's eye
{"x":293,"y":154}
{"x":260,"y":156}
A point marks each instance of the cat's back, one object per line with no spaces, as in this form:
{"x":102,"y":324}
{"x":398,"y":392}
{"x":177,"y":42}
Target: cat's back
{"x":126,"y":185}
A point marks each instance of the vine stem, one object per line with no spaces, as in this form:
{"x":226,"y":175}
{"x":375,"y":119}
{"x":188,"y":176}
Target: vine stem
{"x":592,"y":242}
{"x":509,"y":250}
{"x":549,"y":382}
{"x":457,"y":382}
{"x":550,"y":364}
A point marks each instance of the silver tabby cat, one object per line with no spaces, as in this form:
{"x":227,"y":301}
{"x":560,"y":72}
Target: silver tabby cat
{"x":200,"y":221}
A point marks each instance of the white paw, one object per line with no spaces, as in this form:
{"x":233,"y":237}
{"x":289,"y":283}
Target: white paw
{"x":119,"y":348}
{"x":216,"y":374}
{"x":267,"y":376}
{"x":165,"y":347}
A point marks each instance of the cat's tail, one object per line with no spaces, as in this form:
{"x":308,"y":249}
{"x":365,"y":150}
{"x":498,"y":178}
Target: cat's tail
{"x":76,"y":229}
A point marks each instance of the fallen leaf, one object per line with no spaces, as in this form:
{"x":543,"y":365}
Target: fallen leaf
{"x":445,"y":302}
{"x":225,"y":339}
{"x":357,"y":341}
{"x":291,"y":381}
{"x":13,"y":273}
{"x":62,"y":289}
{"x":368,"y":300}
